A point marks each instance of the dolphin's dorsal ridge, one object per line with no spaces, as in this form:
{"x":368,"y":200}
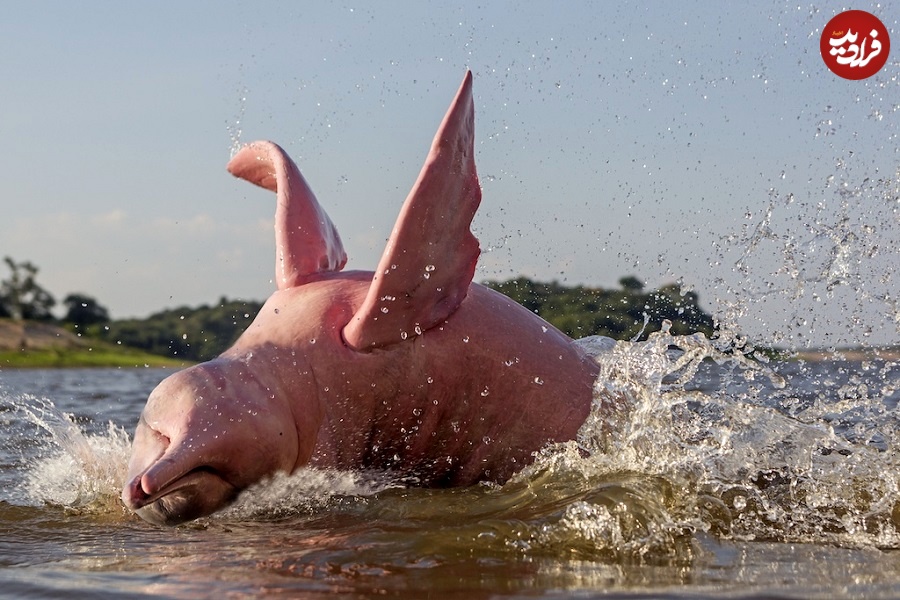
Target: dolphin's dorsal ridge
{"x":429,"y":261}
{"x":306,"y":241}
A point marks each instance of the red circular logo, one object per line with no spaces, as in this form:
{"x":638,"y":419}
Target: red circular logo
{"x":855,"y":44}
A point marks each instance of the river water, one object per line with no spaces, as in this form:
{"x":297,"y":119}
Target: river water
{"x":721,"y":478}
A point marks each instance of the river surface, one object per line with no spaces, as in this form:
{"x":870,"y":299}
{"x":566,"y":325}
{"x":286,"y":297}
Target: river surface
{"x":721,"y":478}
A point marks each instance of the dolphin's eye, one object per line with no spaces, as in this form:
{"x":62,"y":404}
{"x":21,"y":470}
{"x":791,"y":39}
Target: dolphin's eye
{"x":145,"y":426}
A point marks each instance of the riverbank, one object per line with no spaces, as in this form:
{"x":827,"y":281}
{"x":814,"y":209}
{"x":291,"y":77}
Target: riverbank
{"x":29,"y":344}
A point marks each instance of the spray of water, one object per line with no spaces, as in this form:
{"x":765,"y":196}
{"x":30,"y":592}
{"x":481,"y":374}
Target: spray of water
{"x":706,"y":440}
{"x":77,"y":471}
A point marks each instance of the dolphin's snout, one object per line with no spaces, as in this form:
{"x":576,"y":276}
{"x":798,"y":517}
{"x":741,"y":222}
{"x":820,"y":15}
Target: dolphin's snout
{"x":171,"y":483}
{"x":195,"y":449}
{"x":133,"y":494}
{"x":199,"y":493}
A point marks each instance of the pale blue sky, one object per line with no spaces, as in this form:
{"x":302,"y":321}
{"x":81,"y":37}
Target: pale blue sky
{"x":613,"y":139}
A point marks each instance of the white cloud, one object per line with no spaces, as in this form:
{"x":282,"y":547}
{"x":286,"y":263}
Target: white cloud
{"x":111,"y":219}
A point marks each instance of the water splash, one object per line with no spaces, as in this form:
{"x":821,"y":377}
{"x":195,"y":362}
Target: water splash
{"x":307,"y":491}
{"x":235,"y":127}
{"x":745,"y":452}
{"x":76,"y":470}
{"x":830,"y":282}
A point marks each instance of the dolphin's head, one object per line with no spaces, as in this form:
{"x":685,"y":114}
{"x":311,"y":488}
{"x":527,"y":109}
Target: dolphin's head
{"x":207,"y":433}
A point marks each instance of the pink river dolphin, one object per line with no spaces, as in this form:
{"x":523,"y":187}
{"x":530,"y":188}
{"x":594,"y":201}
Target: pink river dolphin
{"x":413,"y":369}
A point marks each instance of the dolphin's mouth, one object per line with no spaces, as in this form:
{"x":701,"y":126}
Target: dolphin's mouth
{"x":198,"y":493}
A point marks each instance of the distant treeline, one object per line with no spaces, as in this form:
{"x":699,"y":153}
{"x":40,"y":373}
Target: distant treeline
{"x":204,"y":332}
{"x":194,"y":334}
{"x":580,"y":311}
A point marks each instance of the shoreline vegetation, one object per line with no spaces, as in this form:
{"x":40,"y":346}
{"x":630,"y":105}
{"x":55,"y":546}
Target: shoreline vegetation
{"x":182,"y":336}
{"x":61,"y":358}
{"x":34,"y":344}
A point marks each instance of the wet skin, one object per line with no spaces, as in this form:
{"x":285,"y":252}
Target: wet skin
{"x":411,"y":368}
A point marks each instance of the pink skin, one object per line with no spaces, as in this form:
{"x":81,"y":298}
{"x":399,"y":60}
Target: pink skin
{"x":412,"y":369}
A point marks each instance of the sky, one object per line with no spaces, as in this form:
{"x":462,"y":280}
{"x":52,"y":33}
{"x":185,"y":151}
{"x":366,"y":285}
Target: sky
{"x":701,"y":143}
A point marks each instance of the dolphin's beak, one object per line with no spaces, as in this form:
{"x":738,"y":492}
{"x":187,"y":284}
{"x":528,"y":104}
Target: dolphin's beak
{"x":167,"y":484}
{"x":197,"y":494}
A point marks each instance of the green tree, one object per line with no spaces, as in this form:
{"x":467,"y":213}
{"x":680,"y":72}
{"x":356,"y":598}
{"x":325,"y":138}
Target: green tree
{"x":632,"y":284}
{"x":83,"y":310}
{"x":20,"y":295}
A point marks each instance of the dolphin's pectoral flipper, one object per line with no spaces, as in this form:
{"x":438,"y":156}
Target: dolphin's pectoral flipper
{"x":428,"y":264}
{"x":306,"y":241}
